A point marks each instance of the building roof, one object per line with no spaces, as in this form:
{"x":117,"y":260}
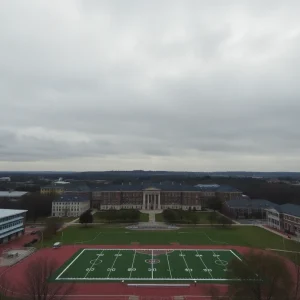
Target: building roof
{"x":290,"y":209}
{"x":71,"y":198}
{"x":73,"y":187}
{"x":244,"y":202}
{"x":217,"y":188}
{"x":12,"y":194}
{"x":10,"y":212}
{"x":140,"y":187}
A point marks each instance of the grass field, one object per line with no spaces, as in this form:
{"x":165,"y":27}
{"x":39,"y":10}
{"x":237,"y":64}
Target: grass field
{"x":236,"y":235}
{"x":202,"y":215}
{"x":146,"y":265}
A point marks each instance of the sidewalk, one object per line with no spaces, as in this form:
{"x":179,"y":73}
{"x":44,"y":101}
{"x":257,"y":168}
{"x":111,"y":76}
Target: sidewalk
{"x":284,"y":235}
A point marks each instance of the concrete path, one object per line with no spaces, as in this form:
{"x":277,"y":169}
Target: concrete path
{"x":151,"y":217}
{"x":151,"y":214}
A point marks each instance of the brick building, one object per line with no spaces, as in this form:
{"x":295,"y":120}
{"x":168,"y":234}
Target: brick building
{"x":285,"y":217}
{"x":156,"y":196}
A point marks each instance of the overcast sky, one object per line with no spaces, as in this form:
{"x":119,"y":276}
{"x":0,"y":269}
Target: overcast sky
{"x":161,"y":85}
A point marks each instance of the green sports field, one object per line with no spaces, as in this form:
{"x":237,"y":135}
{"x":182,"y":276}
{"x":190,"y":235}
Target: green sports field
{"x":148,"y":265}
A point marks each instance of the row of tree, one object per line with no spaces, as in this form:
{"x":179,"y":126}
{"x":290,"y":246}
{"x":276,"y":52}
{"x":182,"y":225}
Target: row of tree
{"x":119,"y":216}
{"x":261,"y":276}
{"x":38,"y":205}
{"x":35,"y":284}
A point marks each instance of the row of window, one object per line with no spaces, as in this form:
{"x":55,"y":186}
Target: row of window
{"x":5,"y":219}
{"x":55,"y":214}
{"x":292,"y":218}
{"x":11,"y":224}
{"x":65,"y":203}
{"x":66,"y":209}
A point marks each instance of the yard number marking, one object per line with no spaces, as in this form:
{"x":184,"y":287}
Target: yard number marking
{"x":169,"y":265}
{"x":132,"y":269}
{"x":206,"y":268}
{"x":88,"y":270}
{"x":187,"y":267}
{"x":111,"y":269}
{"x":152,"y":270}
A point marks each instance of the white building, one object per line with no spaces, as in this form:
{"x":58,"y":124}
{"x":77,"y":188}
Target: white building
{"x":6,"y":179}
{"x":273,"y":218}
{"x":12,"y":224}
{"x":12,"y":195}
{"x":68,"y":205}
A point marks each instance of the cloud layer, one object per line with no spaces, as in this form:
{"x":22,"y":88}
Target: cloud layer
{"x":175,"y":85}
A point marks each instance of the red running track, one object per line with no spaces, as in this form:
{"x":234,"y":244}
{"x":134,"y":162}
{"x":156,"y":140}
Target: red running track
{"x":116,"y":291}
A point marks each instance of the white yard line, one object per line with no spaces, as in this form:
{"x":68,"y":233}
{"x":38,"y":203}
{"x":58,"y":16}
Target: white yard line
{"x":280,"y":250}
{"x":70,"y":264}
{"x":186,"y":264}
{"x":132,"y":262}
{"x":216,"y":242}
{"x":204,"y":265}
{"x":147,"y":278}
{"x":113,"y":264}
{"x":169,"y":265}
{"x":160,"y":249}
{"x":235,"y":255}
{"x":152,"y":266}
{"x":90,"y":268}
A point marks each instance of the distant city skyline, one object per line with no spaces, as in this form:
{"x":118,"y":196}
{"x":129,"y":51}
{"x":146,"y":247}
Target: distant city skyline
{"x":158,"y":85}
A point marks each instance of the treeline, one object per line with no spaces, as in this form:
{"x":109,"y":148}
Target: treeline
{"x":278,"y":193}
{"x":119,"y":216}
{"x":38,"y":205}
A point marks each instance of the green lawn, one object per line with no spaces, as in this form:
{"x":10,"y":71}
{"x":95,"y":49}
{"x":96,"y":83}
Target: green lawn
{"x":203,"y":217}
{"x":159,"y":217}
{"x":144,"y":217}
{"x":146,"y":265}
{"x":236,"y":235}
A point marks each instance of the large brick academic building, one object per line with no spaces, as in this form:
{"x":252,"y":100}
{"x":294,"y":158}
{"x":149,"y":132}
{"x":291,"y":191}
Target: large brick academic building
{"x":158,"y":196}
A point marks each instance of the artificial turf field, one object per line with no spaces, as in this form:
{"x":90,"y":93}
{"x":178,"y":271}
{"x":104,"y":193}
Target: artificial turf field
{"x":148,"y":265}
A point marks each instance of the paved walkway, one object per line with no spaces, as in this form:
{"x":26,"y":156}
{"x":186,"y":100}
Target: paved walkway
{"x":151,"y":217}
{"x":151,"y":214}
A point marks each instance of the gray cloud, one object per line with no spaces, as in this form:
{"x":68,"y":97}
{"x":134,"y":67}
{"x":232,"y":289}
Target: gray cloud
{"x":178,"y":85}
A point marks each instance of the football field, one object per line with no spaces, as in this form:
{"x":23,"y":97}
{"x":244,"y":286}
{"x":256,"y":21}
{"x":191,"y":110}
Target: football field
{"x":148,"y":265}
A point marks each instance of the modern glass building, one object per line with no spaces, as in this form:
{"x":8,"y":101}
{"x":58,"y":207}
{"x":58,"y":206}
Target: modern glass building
{"x":12,"y":224}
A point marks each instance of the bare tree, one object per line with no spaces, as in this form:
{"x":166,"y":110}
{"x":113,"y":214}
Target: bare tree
{"x":37,"y":285}
{"x":261,"y":277}
{"x":6,"y":287}
{"x":294,"y":294}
